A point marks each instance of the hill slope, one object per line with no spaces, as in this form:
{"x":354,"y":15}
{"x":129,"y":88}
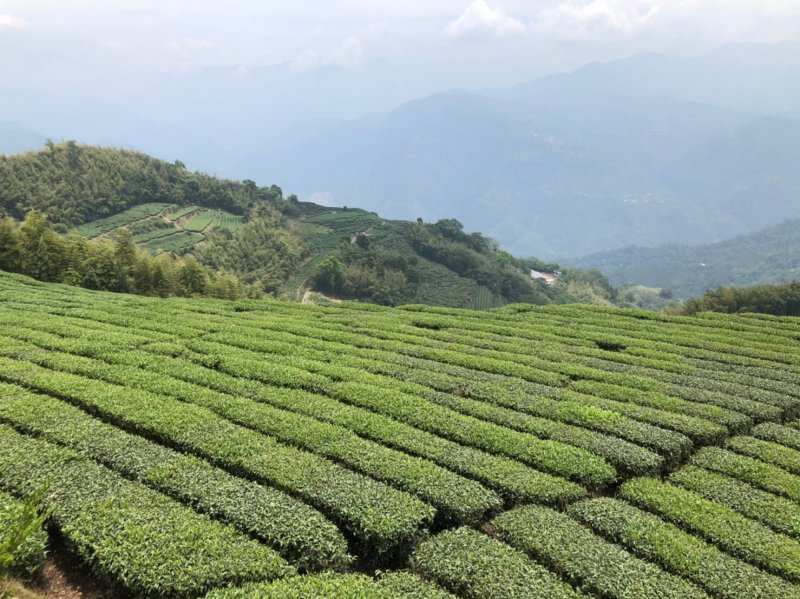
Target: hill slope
{"x":187,"y":445}
{"x":768,"y":256}
{"x":283,"y":245}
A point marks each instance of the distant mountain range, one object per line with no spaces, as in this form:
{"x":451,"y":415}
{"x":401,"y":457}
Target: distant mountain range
{"x":608,"y":156}
{"x":771,"y":255}
{"x":643,"y":151}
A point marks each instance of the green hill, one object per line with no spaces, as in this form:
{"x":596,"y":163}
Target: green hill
{"x":181,"y":446}
{"x":771,"y":255}
{"x":278,"y":243}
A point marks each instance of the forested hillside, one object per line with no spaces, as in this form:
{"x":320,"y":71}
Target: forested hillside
{"x":777,"y":300}
{"x":768,"y":256}
{"x":275,"y":243}
{"x":74,"y":184}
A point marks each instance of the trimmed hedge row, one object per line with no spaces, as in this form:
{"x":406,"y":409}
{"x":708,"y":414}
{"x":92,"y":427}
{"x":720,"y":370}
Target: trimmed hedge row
{"x":588,"y":561}
{"x":766,"y":451}
{"x":381,"y":518}
{"x":733,"y":532}
{"x":30,"y":553}
{"x":777,"y":433}
{"x":617,"y":451}
{"x":638,"y":376}
{"x":699,"y":430}
{"x":712,"y":341}
{"x":672,"y":445}
{"x":297,"y":531}
{"x":309,"y":338}
{"x":705,"y":385}
{"x":749,"y":470}
{"x":341,"y":586}
{"x":631,"y":459}
{"x":628,"y":458}
{"x":670,"y":340}
{"x":665,"y":442}
{"x":554,"y":422}
{"x":551,"y":456}
{"x":475,"y":566}
{"x":458,"y":499}
{"x":779,"y":513}
{"x":598,"y":367}
{"x":679,"y":552}
{"x":555,"y":457}
{"x":142,"y":540}
{"x":513,"y":480}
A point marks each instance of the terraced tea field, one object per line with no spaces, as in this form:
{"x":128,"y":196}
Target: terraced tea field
{"x":259,"y":448}
{"x":165,"y":227}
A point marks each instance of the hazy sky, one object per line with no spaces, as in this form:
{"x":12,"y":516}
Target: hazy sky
{"x":480,"y":42}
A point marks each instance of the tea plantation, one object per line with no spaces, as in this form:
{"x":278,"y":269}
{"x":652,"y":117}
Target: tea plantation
{"x":266,"y":449}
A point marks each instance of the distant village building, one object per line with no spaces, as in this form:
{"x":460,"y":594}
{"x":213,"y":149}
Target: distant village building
{"x":548,"y":277}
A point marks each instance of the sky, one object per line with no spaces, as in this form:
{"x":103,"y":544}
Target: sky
{"x":471,"y":43}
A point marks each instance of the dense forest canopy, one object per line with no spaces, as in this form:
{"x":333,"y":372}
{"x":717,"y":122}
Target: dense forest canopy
{"x":33,"y":248}
{"x":74,"y":184}
{"x":778,"y":300}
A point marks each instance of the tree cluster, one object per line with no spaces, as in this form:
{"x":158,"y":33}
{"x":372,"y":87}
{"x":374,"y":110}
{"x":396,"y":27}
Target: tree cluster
{"x":35,"y":249}
{"x":264,"y":252}
{"x":779,"y":300}
{"x":475,"y":257}
{"x":361,"y":271}
{"x":74,"y":184}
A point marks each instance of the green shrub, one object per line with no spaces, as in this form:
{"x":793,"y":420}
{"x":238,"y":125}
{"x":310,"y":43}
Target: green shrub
{"x":589,"y":562}
{"x":619,"y":452}
{"x":144,"y":541}
{"x":778,"y":513}
{"x":379,"y":516}
{"x":783,"y":435}
{"x":733,"y":532}
{"x":297,"y":531}
{"x":766,"y":451}
{"x":550,"y":456}
{"x":458,"y":499}
{"x":23,"y":540}
{"x":512,"y":479}
{"x":749,"y":470}
{"x":679,"y":552}
{"x":343,"y":586}
{"x":473,"y":565}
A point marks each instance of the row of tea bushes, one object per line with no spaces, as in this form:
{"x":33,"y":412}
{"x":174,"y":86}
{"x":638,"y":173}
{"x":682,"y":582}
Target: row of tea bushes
{"x":129,"y":533}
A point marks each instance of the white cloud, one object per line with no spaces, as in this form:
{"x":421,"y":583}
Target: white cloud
{"x":348,"y":55}
{"x":12,"y":22}
{"x":305,"y":61}
{"x":604,"y":18}
{"x":480,"y":18}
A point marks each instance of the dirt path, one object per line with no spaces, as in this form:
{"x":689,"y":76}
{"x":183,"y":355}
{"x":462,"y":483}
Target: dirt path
{"x":309,"y":294}
{"x":63,"y":577}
